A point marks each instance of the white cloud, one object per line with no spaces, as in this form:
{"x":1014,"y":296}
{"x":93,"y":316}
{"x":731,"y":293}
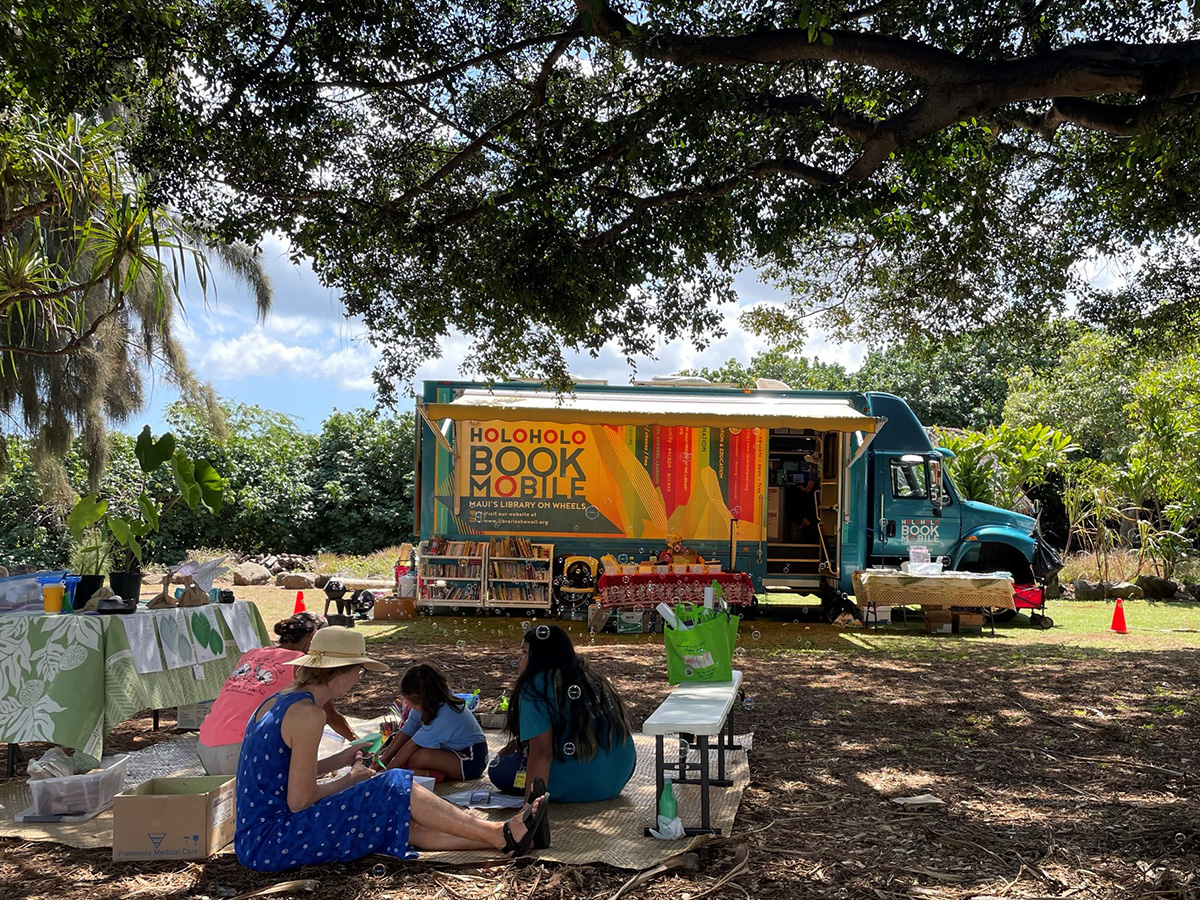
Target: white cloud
{"x":350,"y":368}
{"x":255,"y":355}
{"x":295,"y":326}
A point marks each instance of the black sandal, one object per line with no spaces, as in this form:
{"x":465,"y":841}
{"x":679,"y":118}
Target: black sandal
{"x":532,"y":822}
{"x":541,"y":837}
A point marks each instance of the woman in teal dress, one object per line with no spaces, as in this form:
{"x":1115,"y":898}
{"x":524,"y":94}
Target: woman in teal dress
{"x":288,"y":817}
{"x":574,"y":727}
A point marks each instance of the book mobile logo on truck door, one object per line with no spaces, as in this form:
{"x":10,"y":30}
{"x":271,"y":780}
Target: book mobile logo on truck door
{"x":919,"y":529}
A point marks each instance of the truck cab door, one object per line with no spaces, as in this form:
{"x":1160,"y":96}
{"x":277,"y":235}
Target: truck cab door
{"x":912,"y":506}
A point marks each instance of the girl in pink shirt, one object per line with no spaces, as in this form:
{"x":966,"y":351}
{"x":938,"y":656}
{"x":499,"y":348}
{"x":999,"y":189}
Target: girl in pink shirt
{"x":259,"y":674}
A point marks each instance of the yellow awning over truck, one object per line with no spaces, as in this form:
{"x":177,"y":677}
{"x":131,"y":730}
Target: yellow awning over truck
{"x":748,"y":410}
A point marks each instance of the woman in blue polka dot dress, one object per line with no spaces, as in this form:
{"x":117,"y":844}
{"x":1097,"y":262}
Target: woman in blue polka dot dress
{"x":287,"y":818}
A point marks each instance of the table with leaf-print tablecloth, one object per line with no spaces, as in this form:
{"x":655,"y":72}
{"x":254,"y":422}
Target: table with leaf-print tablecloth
{"x":70,"y":679}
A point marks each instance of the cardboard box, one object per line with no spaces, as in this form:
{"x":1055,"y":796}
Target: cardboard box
{"x":598,"y":617}
{"x":174,"y":818}
{"x":188,"y":718}
{"x":393,"y":609}
{"x":939,"y":621}
{"x":968,"y":623}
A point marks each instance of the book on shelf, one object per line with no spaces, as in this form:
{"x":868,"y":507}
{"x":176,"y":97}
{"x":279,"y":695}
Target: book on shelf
{"x":449,"y":568}
{"x":518,"y":548}
{"x":516,"y":594}
{"x":440,"y":545}
{"x":468,"y":593}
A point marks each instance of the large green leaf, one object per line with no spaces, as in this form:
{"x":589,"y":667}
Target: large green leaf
{"x":86,"y":513}
{"x":184,"y":471}
{"x":151,"y":453}
{"x":149,"y":510}
{"x":212,"y":485}
{"x":125,"y":534}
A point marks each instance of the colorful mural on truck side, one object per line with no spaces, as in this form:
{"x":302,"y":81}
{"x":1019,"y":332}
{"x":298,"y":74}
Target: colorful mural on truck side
{"x":631,"y":481}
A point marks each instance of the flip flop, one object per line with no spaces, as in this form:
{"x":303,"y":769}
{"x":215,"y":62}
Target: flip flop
{"x":541,"y":838}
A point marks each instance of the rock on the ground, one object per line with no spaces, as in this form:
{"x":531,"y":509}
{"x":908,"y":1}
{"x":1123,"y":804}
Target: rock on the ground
{"x":251,"y":573}
{"x":1087,"y":590}
{"x":1125,"y":590}
{"x":296,"y":581}
{"x":1156,"y":588}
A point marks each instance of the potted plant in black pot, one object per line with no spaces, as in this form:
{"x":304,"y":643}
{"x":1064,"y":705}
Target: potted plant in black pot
{"x":91,"y":556}
{"x":197,"y":484}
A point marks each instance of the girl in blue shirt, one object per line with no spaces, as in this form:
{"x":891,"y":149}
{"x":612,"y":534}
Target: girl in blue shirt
{"x":440,"y":735}
{"x":572,"y":722}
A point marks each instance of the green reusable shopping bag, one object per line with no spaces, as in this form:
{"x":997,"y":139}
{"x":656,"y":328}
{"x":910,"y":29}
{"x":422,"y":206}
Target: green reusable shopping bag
{"x":704,"y":650}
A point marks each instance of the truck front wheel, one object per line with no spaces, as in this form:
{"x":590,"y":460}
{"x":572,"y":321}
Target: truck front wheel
{"x":999,"y":558}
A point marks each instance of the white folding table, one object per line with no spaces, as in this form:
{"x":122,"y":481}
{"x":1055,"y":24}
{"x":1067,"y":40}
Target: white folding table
{"x":703,"y":710}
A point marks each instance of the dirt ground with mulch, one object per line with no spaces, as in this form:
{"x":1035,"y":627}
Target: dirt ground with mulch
{"x":1062,"y":772}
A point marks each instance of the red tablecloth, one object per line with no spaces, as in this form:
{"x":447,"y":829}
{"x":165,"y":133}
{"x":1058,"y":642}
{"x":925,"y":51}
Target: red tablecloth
{"x":647,"y":591}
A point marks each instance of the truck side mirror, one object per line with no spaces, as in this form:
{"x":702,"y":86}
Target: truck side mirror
{"x":935,"y":483}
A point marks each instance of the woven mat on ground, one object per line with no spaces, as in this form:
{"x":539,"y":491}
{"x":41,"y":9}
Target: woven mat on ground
{"x":581,"y":833}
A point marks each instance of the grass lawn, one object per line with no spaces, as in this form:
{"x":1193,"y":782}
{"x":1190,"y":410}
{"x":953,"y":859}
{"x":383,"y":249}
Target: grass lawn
{"x":1079,"y":627}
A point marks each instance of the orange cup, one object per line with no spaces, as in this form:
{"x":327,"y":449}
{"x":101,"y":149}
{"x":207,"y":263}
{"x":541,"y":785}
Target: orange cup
{"x":52,"y":597}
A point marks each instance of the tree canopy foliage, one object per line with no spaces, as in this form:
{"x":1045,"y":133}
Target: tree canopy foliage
{"x":546,"y":175}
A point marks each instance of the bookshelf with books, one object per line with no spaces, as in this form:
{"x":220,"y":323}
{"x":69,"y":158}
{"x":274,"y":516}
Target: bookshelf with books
{"x":451,"y":572}
{"x":519,"y":574}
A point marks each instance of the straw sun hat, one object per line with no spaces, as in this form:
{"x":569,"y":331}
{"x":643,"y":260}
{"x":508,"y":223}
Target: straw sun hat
{"x":337,"y":646}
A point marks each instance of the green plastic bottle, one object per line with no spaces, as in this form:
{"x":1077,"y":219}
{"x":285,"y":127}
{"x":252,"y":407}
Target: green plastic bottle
{"x":667,"y":808}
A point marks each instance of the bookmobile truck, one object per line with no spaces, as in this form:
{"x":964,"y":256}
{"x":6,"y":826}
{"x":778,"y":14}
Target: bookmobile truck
{"x":798,"y":489}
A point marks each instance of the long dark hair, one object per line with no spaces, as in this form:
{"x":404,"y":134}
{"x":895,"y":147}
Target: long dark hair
{"x":583,"y":706}
{"x":429,"y":686}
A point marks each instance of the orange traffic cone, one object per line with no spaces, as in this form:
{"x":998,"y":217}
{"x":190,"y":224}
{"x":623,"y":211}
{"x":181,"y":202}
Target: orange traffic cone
{"x":1118,"y":623}
{"x":300,"y":607}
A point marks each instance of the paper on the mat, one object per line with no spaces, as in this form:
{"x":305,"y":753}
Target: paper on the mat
{"x":484,"y":800}
{"x":237,"y":617}
{"x":208,"y":641}
{"x":175,"y":637}
{"x":139,"y":629}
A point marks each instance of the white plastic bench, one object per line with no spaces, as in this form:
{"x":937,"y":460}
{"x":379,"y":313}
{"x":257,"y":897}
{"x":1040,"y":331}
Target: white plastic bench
{"x":702,"y":709}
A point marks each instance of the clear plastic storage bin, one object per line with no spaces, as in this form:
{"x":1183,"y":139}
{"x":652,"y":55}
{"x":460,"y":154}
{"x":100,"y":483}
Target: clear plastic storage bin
{"x":89,"y":792}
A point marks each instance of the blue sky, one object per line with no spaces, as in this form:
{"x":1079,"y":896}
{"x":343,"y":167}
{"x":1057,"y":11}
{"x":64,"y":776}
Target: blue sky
{"x":309,"y":359}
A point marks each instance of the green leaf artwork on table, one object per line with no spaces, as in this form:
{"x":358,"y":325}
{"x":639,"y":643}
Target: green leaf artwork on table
{"x":176,"y":644}
{"x":206,"y":635}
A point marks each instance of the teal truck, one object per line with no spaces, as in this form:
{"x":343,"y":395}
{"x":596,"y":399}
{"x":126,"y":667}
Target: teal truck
{"x":798,"y":489}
